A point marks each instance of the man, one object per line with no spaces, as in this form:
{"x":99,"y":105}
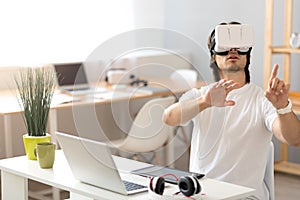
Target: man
{"x":234,"y":120}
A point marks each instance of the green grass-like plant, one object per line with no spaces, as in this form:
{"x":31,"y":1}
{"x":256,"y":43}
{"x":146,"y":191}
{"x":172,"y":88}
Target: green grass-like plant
{"x":35,"y":87}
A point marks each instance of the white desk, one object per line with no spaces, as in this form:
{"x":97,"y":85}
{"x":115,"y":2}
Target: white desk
{"x":16,"y":171}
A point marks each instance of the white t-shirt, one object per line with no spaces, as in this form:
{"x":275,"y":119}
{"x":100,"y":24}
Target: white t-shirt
{"x":231,"y":143}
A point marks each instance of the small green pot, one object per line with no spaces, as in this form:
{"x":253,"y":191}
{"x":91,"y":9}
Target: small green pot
{"x":30,"y":144}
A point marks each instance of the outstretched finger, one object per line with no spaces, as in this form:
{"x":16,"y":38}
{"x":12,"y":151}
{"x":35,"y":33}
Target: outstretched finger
{"x":232,"y":87}
{"x":274,"y":71}
{"x":220,"y":83}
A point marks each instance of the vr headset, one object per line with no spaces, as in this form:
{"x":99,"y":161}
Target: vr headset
{"x":232,"y":36}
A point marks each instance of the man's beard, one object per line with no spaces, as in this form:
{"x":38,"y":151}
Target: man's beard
{"x":233,"y":68}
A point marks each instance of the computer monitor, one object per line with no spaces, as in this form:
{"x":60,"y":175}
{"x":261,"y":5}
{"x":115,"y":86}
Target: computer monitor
{"x":71,"y":76}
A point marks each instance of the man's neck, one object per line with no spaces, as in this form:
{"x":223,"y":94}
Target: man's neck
{"x":238,"y":77}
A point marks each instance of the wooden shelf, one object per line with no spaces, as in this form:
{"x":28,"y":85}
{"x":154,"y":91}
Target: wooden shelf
{"x":295,"y":98}
{"x":296,"y":110}
{"x":283,"y":165}
{"x":287,"y":167}
{"x":283,"y":49}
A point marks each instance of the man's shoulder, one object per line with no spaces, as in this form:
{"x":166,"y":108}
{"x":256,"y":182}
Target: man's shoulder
{"x":196,"y":92}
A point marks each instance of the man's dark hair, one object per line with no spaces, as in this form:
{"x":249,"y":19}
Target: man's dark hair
{"x":211,"y":45}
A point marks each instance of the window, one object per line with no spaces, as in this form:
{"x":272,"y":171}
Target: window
{"x":39,"y":32}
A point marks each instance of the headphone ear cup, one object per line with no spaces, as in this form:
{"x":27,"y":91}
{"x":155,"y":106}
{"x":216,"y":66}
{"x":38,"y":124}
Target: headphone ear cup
{"x":189,"y":185}
{"x":198,"y":186}
{"x":157,"y":185}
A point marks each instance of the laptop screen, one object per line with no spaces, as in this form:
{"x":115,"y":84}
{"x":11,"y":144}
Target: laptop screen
{"x":91,"y":162}
{"x":70,"y":74}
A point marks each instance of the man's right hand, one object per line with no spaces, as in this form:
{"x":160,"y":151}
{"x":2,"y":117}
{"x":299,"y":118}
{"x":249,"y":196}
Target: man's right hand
{"x":216,"y":96}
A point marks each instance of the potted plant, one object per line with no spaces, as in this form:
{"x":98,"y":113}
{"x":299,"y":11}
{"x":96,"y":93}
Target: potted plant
{"x":35,"y":86}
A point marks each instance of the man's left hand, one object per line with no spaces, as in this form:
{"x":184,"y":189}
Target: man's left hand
{"x":277,"y":91}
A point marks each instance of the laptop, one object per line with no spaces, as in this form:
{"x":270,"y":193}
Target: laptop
{"x":159,"y":171}
{"x":91,"y":162}
{"x":71,"y":77}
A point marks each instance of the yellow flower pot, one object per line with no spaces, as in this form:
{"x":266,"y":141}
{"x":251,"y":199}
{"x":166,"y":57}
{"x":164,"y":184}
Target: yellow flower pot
{"x":30,"y":144}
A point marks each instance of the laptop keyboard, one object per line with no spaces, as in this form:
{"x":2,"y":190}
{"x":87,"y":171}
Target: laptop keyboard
{"x":133,"y":186}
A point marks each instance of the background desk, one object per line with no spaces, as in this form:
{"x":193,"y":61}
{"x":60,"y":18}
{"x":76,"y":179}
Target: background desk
{"x":9,"y":107}
{"x":15,"y":173}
